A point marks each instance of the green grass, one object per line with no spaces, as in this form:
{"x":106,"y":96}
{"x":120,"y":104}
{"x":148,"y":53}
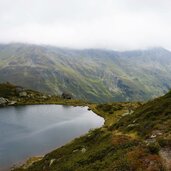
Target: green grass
{"x":152,"y":116}
{"x":104,"y":152}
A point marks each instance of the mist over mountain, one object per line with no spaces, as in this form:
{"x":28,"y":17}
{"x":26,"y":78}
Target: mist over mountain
{"x":92,"y":74}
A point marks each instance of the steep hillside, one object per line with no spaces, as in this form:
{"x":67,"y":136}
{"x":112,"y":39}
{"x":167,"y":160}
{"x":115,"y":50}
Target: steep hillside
{"x":135,"y":137}
{"x":152,"y":120}
{"x":94,"y":75}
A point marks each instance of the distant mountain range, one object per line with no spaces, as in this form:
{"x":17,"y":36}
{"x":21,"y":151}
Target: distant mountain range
{"x":93,"y":74}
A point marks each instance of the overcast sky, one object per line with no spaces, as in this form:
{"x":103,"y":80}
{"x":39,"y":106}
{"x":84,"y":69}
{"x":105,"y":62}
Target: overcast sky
{"x":111,"y":24}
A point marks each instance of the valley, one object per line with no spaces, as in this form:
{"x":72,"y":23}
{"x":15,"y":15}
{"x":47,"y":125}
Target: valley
{"x":94,"y":75}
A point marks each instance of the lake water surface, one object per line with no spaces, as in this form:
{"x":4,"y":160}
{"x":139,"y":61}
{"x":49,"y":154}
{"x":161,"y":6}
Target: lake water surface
{"x":27,"y":131}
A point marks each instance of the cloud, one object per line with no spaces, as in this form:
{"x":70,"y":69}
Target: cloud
{"x":112,"y":24}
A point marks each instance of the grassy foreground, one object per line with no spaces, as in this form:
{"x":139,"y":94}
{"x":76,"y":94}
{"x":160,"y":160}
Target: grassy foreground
{"x":104,"y":149}
{"x":135,"y":137}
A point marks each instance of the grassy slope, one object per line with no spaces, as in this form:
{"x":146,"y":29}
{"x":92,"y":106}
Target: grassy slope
{"x":151,"y":117}
{"x":122,"y":144}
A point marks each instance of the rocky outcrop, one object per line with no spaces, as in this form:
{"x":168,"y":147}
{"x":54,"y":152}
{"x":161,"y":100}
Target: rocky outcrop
{"x":67,"y":96}
{"x":12,"y":103}
{"x":3,"y":101}
{"x":6,"y":102}
{"x":19,"y":89}
{"x":23,"y":94}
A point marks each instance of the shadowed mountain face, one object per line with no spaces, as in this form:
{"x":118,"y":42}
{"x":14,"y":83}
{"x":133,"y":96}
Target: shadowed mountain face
{"x":94,"y":75}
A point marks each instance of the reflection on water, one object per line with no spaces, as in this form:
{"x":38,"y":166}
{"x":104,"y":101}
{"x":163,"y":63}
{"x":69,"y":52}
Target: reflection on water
{"x":34,"y":130}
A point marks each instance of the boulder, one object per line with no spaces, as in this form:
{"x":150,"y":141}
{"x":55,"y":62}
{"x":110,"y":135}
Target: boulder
{"x":3,"y":101}
{"x":67,"y":96}
{"x":12,"y":102}
{"x":19,"y":89}
{"x":44,"y":97}
{"x":83,"y":150}
{"x":52,"y":161}
{"x":23,"y":94}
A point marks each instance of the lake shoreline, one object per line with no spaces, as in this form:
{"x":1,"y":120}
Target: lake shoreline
{"x":29,"y":160}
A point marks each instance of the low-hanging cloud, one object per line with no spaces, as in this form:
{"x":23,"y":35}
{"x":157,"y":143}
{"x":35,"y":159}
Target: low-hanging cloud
{"x":112,"y":24}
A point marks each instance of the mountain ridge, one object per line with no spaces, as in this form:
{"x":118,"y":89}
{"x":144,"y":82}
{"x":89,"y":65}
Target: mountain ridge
{"x":90,"y":74}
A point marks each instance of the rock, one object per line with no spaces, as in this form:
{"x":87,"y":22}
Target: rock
{"x":83,"y":150}
{"x":124,"y":114}
{"x":3,"y":101}
{"x":52,"y":161}
{"x":74,"y":151}
{"x":12,"y":102}
{"x":156,"y":133}
{"x":23,"y":94}
{"x":134,"y":121}
{"x":19,"y":89}
{"x":44,"y":97}
{"x":132,"y":125}
{"x":153,"y":136}
{"x":148,"y":141}
{"x":66,"y":96}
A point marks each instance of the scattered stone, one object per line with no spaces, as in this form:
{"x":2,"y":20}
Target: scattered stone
{"x":3,"y":101}
{"x":132,"y":125}
{"x":19,"y":89}
{"x":52,"y":161}
{"x":83,"y":150}
{"x":12,"y":102}
{"x":153,"y":136}
{"x":124,"y":114}
{"x":134,"y":120}
{"x":23,"y":94}
{"x":67,"y":96}
{"x":44,"y":97}
{"x":74,"y":151}
{"x":148,"y":141}
{"x":156,"y":133}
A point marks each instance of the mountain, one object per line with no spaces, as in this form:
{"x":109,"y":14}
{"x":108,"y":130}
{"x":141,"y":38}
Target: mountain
{"x":92,"y":74}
